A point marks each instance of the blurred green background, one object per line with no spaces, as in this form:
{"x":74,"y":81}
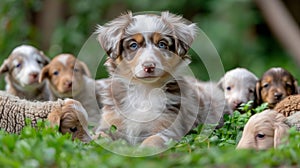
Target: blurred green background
{"x":235,"y":27}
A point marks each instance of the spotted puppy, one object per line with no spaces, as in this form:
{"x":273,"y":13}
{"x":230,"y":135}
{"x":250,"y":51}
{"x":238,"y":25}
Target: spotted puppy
{"x":238,"y":85}
{"x":22,"y":69}
{"x":147,"y":100}
{"x":274,"y":85}
{"x":70,"y":78}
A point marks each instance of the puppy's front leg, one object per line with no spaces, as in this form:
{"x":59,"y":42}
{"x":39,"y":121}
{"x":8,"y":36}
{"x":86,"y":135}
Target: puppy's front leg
{"x":153,"y":141}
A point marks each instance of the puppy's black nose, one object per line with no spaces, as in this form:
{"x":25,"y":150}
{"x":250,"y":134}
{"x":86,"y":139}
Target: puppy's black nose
{"x":278,"y":95}
{"x":149,"y":67}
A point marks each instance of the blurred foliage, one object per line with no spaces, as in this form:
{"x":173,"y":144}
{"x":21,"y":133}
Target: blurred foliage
{"x":45,"y":147}
{"x":235,"y":28}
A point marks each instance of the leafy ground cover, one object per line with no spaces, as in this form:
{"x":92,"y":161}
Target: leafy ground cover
{"x":45,"y":147}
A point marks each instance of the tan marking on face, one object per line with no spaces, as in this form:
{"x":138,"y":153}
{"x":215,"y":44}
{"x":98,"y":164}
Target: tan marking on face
{"x":138,"y":38}
{"x":156,"y":37}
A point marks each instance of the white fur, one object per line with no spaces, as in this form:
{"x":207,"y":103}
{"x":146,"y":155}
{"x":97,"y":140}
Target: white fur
{"x":64,"y":58}
{"x":242,"y":85}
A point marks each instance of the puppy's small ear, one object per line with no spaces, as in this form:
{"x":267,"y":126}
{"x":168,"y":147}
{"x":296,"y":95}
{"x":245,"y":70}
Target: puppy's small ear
{"x":4,"y":67}
{"x":44,"y":74}
{"x":185,"y":32}
{"x":47,"y":60}
{"x":281,"y":130}
{"x":220,"y":83}
{"x":257,"y":94}
{"x":296,"y":91}
{"x":109,"y":35}
{"x":54,"y":117}
{"x":85,"y":69}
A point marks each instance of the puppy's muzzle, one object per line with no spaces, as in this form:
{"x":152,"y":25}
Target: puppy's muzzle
{"x":149,"y":67}
{"x":278,"y":95}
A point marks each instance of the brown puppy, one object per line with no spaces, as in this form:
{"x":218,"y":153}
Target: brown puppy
{"x":274,"y":85}
{"x":70,"y":78}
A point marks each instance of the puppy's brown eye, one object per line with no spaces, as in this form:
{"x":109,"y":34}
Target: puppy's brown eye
{"x":55,"y":73}
{"x":266,"y":85}
{"x":228,"y":88}
{"x":74,"y":129}
{"x":133,"y":46}
{"x":260,"y":135}
{"x":162,"y":44}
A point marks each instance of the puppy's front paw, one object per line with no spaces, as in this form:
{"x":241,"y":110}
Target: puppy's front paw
{"x":153,"y":141}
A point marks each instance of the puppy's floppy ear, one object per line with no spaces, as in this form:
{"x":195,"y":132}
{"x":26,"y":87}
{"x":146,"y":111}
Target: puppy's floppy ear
{"x":220,"y":83}
{"x":281,"y":129}
{"x":84,"y":68}
{"x":4,"y":67}
{"x":257,"y":94}
{"x":44,"y":74}
{"x":109,"y":35}
{"x":184,"y":32}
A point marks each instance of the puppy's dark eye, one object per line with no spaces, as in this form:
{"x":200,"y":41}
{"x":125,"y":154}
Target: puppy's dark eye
{"x":251,"y":91}
{"x":260,"y":135}
{"x":55,"y":73}
{"x":74,"y":129}
{"x":76,"y":70}
{"x":133,"y":46}
{"x":265,"y":85}
{"x":288,"y":85}
{"x":228,"y":88}
{"x":18,"y":65}
{"x":39,"y":62}
{"x":162,"y":44}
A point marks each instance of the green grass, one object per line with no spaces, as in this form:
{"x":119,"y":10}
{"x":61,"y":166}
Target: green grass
{"x":45,"y":147}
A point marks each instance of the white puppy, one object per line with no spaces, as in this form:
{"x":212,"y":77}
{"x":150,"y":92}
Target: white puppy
{"x":238,"y":86}
{"x":22,"y":69}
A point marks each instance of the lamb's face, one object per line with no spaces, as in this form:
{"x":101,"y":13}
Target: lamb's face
{"x":24,"y":66}
{"x":263,"y":130}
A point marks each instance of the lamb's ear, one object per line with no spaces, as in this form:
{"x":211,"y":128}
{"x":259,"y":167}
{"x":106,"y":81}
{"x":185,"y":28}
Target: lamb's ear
{"x":109,"y":35}
{"x":220,"y":83}
{"x":54,"y":117}
{"x":44,"y":74}
{"x":257,"y":94}
{"x":281,"y":130}
{"x":185,"y":32}
{"x":84,"y":68}
{"x":4,"y":67}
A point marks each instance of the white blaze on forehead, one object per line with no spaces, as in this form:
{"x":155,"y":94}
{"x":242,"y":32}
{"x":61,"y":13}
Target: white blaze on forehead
{"x":25,"y":49}
{"x":63,"y":59}
{"x":148,"y":23}
{"x":278,"y":69}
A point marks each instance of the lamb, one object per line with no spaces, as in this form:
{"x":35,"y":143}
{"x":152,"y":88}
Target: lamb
{"x":68,"y":114}
{"x":267,"y":129}
{"x":289,"y":105}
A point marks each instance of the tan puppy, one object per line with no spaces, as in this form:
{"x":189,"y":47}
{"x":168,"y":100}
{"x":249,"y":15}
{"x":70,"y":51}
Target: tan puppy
{"x":70,"y":78}
{"x":264,"y":130}
{"x":275,"y":85}
{"x":22,"y":69}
